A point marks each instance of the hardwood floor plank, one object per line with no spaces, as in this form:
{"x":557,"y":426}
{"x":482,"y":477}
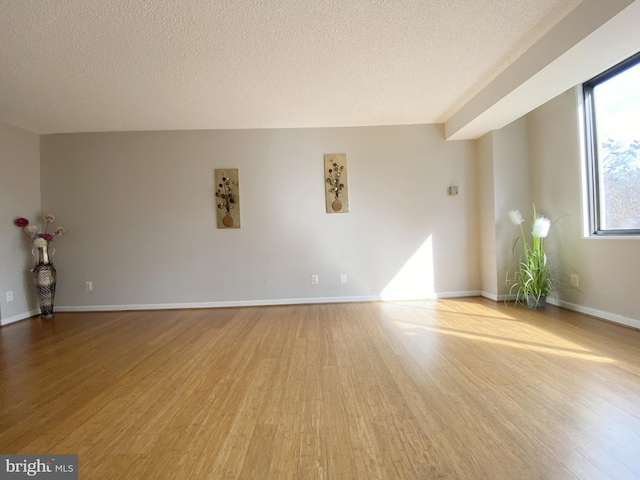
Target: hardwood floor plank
{"x":340,"y":461}
{"x":447,"y":389}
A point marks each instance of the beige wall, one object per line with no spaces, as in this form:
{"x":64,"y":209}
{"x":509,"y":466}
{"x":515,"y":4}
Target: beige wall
{"x":504,"y":186}
{"x":486,"y":215}
{"x":608,"y":268}
{"x":140,"y":218}
{"x":538,"y":159}
{"x":19,"y":197}
{"x":511,"y":192}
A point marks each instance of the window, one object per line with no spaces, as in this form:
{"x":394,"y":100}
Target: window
{"x":612,"y":110}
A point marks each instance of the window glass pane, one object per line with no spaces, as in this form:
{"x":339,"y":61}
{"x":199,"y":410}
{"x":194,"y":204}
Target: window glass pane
{"x":617,"y":114}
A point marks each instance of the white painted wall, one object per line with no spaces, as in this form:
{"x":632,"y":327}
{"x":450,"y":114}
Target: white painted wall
{"x":139,"y":213}
{"x":608,"y":268}
{"x":486,"y":216}
{"x":19,"y":197}
{"x":504,"y":186}
{"x":140,"y":218}
{"x":511,"y":192}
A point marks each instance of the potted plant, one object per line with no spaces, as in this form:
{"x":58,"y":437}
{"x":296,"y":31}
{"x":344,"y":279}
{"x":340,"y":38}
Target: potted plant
{"x":532,"y":280}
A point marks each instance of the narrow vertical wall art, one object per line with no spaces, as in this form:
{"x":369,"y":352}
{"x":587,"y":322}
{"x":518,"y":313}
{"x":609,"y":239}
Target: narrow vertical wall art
{"x":336,"y":186}
{"x":227,"y":197}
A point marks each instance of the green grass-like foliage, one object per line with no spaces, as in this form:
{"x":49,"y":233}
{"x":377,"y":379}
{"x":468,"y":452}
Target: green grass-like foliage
{"x":532,"y":277}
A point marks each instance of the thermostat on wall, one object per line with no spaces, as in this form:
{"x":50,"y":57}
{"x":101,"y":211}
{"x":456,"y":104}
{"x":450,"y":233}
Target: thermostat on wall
{"x":453,"y":190}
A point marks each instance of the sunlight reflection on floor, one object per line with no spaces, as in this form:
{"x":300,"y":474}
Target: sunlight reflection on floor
{"x":477,"y":322}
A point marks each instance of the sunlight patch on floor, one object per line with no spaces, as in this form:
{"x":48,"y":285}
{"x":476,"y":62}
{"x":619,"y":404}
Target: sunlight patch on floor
{"x":559,"y":347}
{"x":399,"y":309}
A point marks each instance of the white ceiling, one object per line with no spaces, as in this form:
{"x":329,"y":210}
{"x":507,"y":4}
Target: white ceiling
{"x":112,"y":65}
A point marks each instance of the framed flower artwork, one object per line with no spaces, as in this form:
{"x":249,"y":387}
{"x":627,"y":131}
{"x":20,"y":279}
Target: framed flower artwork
{"x":227,"y":197}
{"x":336,"y":184}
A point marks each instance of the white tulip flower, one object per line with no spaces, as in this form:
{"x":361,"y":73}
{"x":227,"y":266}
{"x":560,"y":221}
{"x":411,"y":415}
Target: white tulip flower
{"x":516,"y":217}
{"x":541,"y":227}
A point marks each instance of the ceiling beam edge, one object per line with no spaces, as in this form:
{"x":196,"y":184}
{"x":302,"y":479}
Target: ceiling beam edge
{"x":554,"y":64}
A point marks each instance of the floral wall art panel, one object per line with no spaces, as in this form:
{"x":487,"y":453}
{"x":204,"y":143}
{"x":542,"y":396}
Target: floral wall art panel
{"x":227,"y":197}
{"x":336,"y":186}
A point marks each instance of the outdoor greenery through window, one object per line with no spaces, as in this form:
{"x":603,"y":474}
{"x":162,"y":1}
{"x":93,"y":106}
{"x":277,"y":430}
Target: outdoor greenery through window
{"x":612,"y":108}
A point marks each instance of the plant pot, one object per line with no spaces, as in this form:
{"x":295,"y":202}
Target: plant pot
{"x":536,"y":303}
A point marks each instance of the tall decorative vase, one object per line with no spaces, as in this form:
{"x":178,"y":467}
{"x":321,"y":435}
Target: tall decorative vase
{"x":44,"y":278}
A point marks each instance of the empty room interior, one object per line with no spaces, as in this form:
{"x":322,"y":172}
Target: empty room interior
{"x":286,"y":240}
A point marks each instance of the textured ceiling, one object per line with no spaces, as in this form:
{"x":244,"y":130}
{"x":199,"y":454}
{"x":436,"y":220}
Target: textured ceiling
{"x":109,"y":65}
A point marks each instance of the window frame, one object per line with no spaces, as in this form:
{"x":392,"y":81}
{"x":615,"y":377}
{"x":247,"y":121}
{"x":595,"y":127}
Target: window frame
{"x":591,"y":149}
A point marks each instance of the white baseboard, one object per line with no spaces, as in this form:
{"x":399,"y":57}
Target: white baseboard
{"x":612,"y":317}
{"x":471,"y":293}
{"x":17,"y":318}
{"x":234,"y":303}
{"x":248,"y":303}
{"x":498,"y":298}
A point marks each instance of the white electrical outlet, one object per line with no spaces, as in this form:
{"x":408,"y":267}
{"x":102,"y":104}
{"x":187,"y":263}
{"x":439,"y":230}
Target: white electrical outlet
{"x":314,"y":279}
{"x":10,"y":296}
{"x":575,"y":280}
{"x":343,"y":278}
{"x":88,"y":286}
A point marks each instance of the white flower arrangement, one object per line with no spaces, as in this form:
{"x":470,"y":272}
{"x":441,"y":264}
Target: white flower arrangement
{"x":40,"y":242}
{"x":532,"y":278}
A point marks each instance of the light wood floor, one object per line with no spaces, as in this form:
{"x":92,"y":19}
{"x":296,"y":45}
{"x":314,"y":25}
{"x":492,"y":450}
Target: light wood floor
{"x":460,"y":389}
